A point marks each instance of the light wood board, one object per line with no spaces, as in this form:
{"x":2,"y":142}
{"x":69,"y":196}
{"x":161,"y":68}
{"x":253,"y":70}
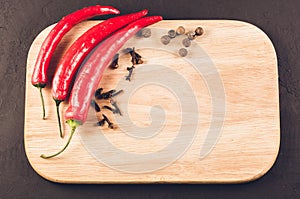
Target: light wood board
{"x":235,"y":57}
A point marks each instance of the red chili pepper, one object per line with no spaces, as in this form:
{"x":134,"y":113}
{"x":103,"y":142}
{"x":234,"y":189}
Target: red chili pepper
{"x":39,"y":76}
{"x":91,"y":72}
{"x":75,"y":55}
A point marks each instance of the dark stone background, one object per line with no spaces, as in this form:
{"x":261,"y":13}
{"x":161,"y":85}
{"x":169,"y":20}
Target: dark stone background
{"x":22,"y":20}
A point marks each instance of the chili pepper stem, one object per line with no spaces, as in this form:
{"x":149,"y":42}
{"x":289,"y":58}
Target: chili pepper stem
{"x":57,"y":102}
{"x":73,"y":124}
{"x":43,"y":103}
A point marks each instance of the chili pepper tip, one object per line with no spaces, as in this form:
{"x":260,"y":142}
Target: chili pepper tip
{"x":145,"y":11}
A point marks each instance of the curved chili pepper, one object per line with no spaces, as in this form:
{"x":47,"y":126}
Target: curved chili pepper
{"x":75,"y":55}
{"x":39,"y":76}
{"x":91,"y":73}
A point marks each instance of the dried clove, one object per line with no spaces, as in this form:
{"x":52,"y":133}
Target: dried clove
{"x":105,"y":119}
{"x":101,"y":122}
{"x":117,"y":93}
{"x":114,"y":64}
{"x":109,"y":108}
{"x":98,"y":92}
{"x":135,"y":57}
{"x":130,"y":69}
{"x":110,"y":124}
{"x":95,"y":105}
{"x":106,"y":95}
{"x":115,"y":105}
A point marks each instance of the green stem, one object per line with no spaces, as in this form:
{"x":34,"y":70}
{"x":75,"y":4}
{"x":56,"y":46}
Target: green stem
{"x":57,"y":102}
{"x":73,"y":124}
{"x":43,"y":103}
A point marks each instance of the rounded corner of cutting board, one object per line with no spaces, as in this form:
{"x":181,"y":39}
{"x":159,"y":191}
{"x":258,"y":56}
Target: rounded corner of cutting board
{"x":260,"y":30}
{"x":261,"y":174}
{"x":40,"y":173}
{"x":49,"y":178}
{"x":265,"y":170}
{"x":46,"y":177}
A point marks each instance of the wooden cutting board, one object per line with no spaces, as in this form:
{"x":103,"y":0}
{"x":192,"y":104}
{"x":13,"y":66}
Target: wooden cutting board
{"x":210,"y":117}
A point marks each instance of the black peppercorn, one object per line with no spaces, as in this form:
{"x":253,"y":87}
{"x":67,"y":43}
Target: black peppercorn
{"x":191,"y":35}
{"x":199,"y":31}
{"x":165,"y":39}
{"x":186,"y":42}
{"x":172,"y":33}
{"x":183,"y":52}
{"x":146,"y":32}
{"x":180,"y":30}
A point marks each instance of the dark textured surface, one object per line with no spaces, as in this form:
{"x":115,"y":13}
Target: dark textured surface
{"x":21,"y":21}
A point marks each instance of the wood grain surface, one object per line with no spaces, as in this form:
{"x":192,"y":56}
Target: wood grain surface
{"x":245,"y":61}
